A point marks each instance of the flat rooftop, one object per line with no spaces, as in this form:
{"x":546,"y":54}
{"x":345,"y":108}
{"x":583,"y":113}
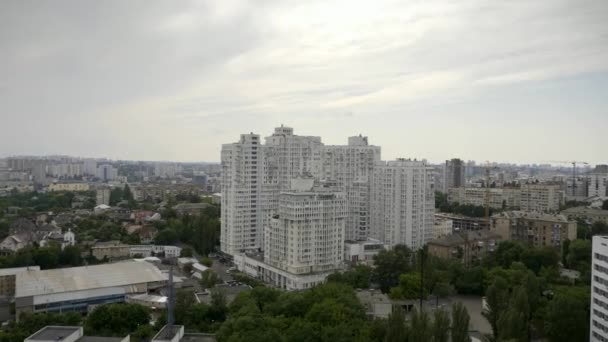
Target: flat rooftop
{"x":100,"y":339}
{"x":53,"y":333}
{"x":15,"y":270}
{"x":167,"y":332}
{"x":33,"y":283}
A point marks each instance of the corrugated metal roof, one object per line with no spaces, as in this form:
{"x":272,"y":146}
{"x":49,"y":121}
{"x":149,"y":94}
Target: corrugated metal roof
{"x":32,"y":283}
{"x":15,"y":270}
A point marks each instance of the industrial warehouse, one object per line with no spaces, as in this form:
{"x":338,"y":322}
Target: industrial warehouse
{"x":79,"y":288}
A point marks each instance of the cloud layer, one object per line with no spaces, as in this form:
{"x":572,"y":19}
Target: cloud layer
{"x":513,"y":80}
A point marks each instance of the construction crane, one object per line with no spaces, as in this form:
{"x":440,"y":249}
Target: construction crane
{"x":573,"y":162}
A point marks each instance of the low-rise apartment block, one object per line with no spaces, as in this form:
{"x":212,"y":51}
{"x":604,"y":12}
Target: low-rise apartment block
{"x":587,"y":214}
{"x":535,"y":228}
{"x":499,"y":197}
{"x":362,"y":252}
{"x":442,"y":227}
{"x":468,"y":246}
{"x":154,"y":250}
{"x":541,"y":197}
{"x":74,"y":187}
{"x":462,"y":223}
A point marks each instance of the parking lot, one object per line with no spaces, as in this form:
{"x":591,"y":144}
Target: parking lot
{"x":220,"y":269}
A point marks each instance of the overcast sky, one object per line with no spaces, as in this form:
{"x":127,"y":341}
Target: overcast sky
{"x":518,"y":81}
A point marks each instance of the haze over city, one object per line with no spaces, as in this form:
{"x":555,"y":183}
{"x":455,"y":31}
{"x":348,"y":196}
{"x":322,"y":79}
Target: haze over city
{"x":517,"y":81}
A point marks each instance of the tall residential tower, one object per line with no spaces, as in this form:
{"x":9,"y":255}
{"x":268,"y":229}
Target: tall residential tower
{"x":403,"y":203}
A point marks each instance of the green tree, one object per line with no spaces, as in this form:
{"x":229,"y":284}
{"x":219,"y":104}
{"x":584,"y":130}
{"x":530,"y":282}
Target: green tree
{"x":127,"y":195}
{"x":497,"y":300}
{"x":513,"y":323}
{"x":507,"y":253}
{"x":460,"y":323}
{"x":209,"y":279}
{"x":579,"y":253}
{"x":397,"y":328}
{"x":565,"y":248}
{"x":116,"y":319}
{"x":359,"y":277}
{"x":442,"y":290}
{"x":70,"y":256}
{"x":420,"y":330}
{"x":46,"y":257}
{"x":166,"y":237}
{"x":441,"y":326}
{"x":207,"y":261}
{"x":389,"y":265}
{"x":535,"y":258}
{"x":115,"y":196}
{"x":605,"y":205}
{"x":567,"y":320}
{"x":470,"y":281}
{"x":599,"y":228}
{"x":409,"y":287}
{"x":219,"y":305}
{"x":186,"y":252}
{"x":583,"y":230}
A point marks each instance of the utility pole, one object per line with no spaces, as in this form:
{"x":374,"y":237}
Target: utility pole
{"x":421,"y":276}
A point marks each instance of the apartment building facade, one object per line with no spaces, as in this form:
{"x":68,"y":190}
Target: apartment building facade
{"x":599,"y":290}
{"x":454,"y":175}
{"x":598,"y":185}
{"x":241,"y":226}
{"x":499,"y":197}
{"x":307,"y":233}
{"x":541,"y":197}
{"x":351,"y":166}
{"x":535,"y":228}
{"x":402,"y":203}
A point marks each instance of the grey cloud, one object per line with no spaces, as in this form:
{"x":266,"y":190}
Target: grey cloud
{"x":110,"y":77}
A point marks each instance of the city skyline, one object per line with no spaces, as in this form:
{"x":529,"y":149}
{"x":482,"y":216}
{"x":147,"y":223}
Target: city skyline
{"x":424,"y":80}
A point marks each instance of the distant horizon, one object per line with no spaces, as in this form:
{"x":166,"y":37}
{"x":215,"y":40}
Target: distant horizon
{"x":477,"y":163}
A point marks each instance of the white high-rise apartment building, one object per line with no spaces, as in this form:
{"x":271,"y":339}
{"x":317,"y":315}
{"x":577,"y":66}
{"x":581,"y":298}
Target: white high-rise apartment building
{"x":306,"y":235}
{"x":351,"y":167}
{"x":599,"y":290}
{"x":255,"y":175}
{"x":287,"y":156}
{"x":402,"y":203}
{"x":241,"y":227}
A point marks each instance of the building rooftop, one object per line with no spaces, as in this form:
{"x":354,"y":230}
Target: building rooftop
{"x":54,"y":333}
{"x":100,"y":339}
{"x":190,"y":206}
{"x":532,"y":215}
{"x":167,"y":333}
{"x":458,"y":238}
{"x":32,"y":283}
{"x":458,"y":217}
{"x":15,"y":270}
{"x":585,"y":211}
